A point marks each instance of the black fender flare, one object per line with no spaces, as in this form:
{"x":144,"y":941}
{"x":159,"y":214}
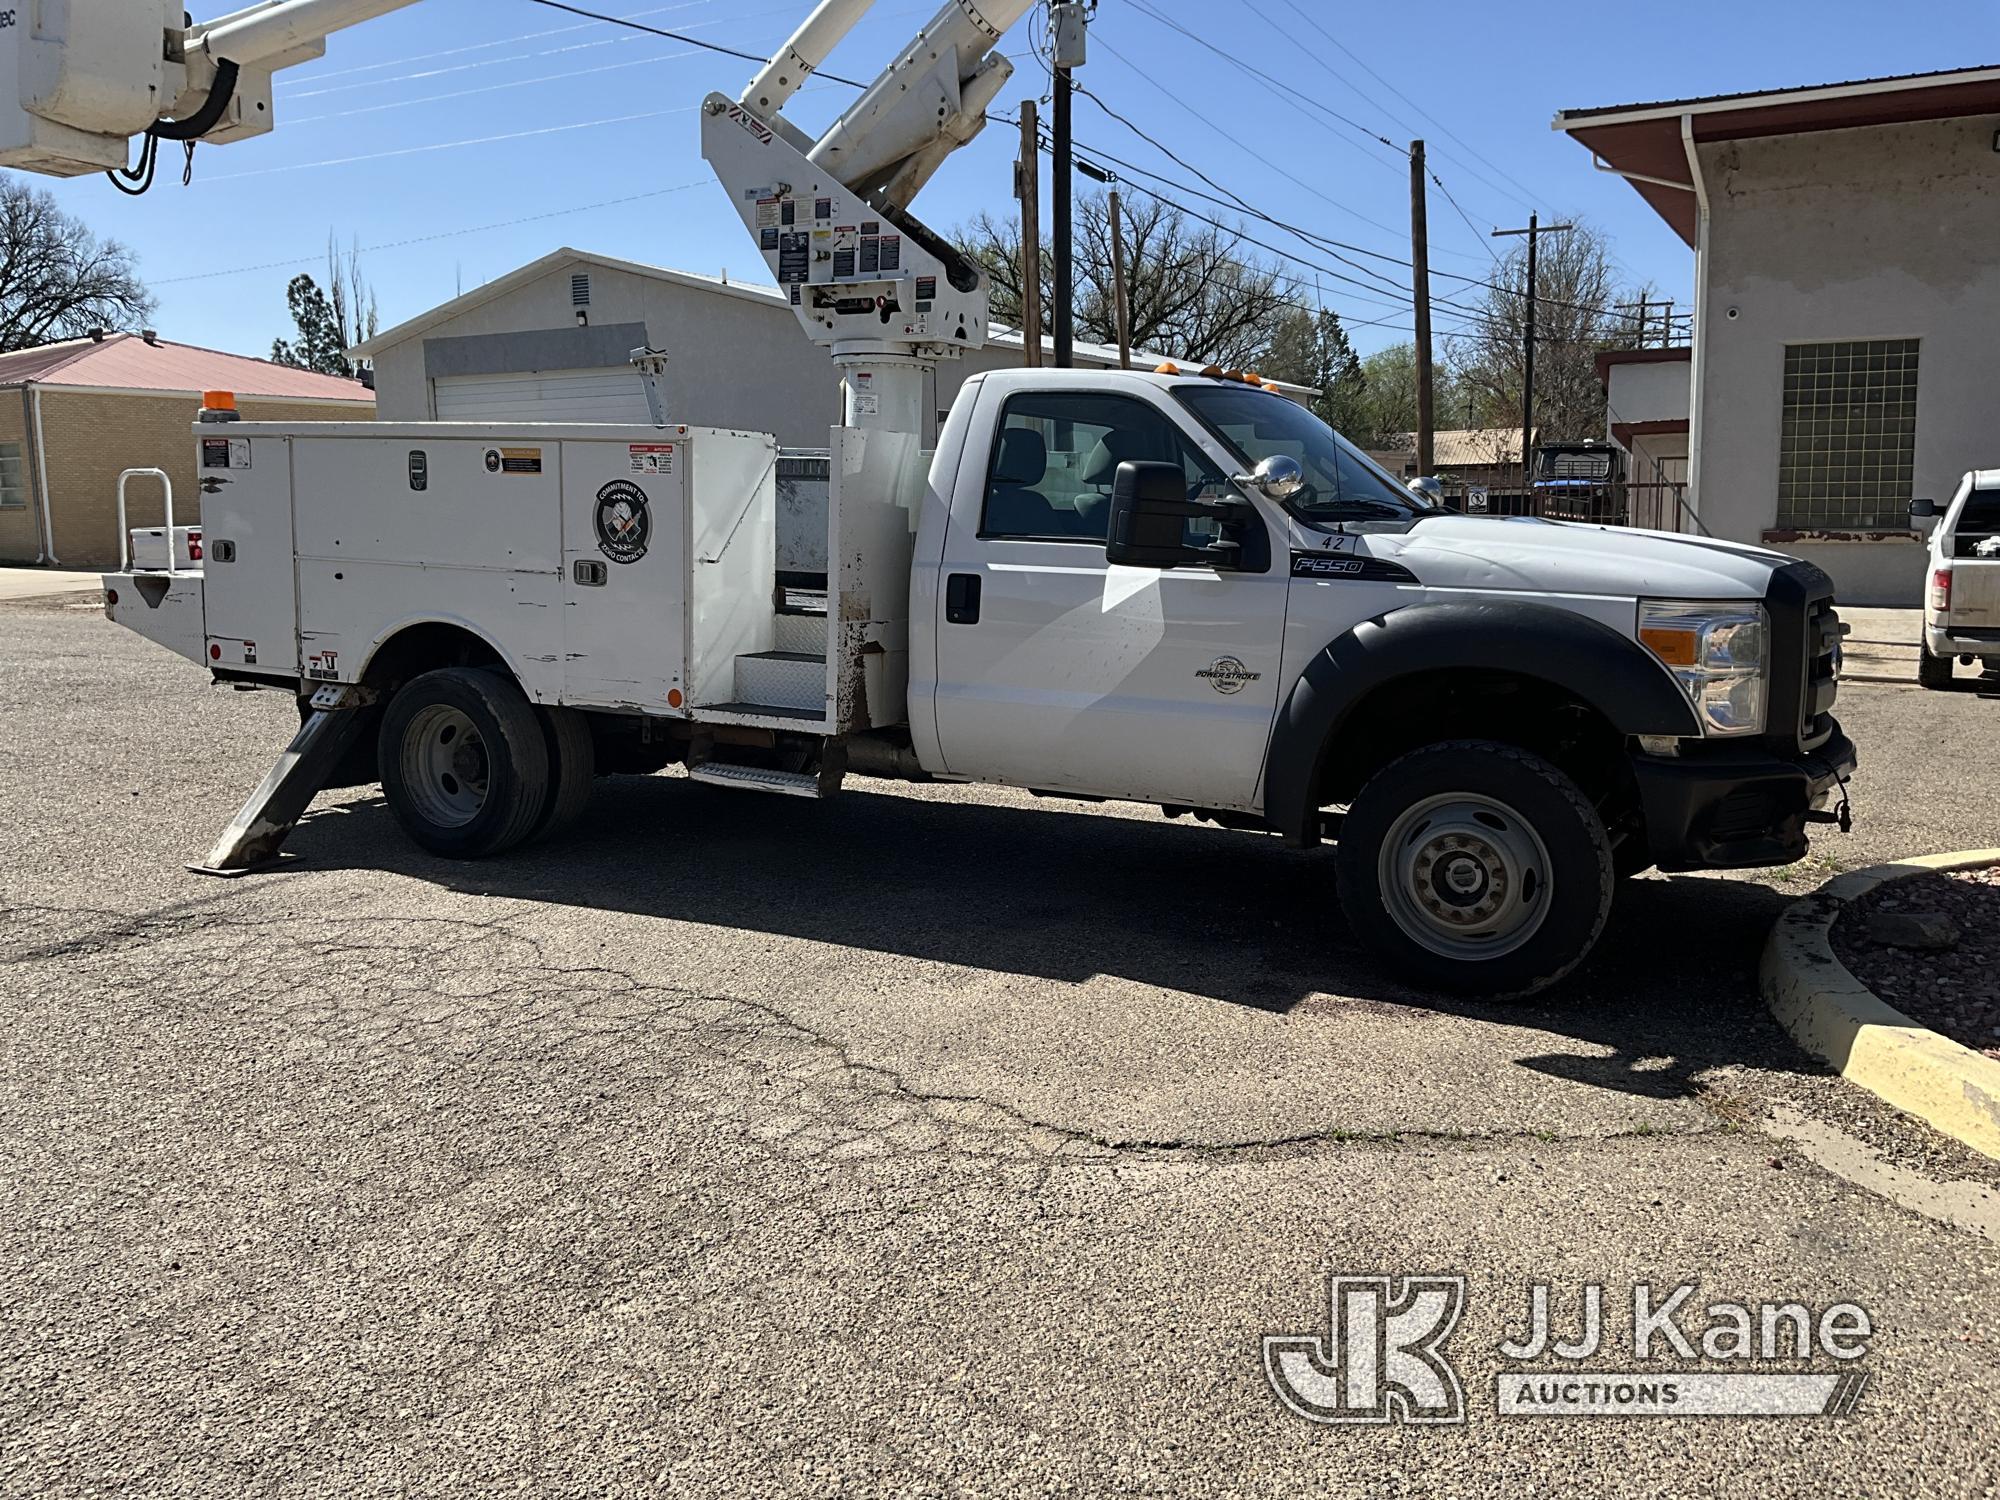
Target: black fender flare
{"x":1611,"y":672}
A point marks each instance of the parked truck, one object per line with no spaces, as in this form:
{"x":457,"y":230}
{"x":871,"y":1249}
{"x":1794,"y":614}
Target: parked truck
{"x":1962,"y":582}
{"x":1174,"y":587}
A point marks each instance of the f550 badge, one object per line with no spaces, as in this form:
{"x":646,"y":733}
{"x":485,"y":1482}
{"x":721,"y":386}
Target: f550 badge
{"x":624,"y":521}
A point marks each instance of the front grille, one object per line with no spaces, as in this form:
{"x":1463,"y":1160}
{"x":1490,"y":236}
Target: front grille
{"x":1805,"y":653}
{"x":1823,"y":632}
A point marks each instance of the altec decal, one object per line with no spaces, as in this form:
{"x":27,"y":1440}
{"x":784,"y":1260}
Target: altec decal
{"x":1227,"y":675}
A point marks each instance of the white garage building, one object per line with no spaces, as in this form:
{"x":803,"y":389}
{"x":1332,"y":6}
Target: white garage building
{"x":552,"y":342}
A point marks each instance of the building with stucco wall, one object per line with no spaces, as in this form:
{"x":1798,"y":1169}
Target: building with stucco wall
{"x":1847,"y":275}
{"x":76,"y":415}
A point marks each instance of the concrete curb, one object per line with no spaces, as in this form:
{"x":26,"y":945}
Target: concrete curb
{"x":1836,"y":1017}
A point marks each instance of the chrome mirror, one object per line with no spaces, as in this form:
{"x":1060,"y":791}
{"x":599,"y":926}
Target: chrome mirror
{"x":1278,"y":477}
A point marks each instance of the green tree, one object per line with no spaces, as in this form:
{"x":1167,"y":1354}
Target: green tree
{"x":1311,"y":348}
{"x":328,"y":322}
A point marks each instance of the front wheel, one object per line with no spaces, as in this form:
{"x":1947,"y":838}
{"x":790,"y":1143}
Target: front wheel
{"x":1476,"y":868}
{"x":464,"y":763}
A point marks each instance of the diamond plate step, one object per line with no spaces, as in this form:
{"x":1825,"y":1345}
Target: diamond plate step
{"x":782,"y":679}
{"x":803,"y":635}
{"x":757,"y":779}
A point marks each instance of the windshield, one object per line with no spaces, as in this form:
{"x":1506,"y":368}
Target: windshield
{"x":1341,"y":484}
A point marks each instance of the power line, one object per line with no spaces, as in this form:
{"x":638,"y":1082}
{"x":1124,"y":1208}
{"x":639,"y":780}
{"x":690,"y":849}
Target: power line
{"x":1308,"y":19}
{"x":316,"y":76}
{"x":680,"y":36}
{"x":425,"y":239}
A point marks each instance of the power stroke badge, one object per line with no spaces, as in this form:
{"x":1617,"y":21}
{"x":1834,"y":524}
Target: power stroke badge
{"x":1227,"y":675}
{"x":624,"y":521}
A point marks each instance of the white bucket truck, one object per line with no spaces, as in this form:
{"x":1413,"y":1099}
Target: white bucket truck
{"x":1168,"y":587}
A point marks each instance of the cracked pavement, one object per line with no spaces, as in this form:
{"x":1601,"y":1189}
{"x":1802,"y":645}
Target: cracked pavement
{"x":928,"y":1142}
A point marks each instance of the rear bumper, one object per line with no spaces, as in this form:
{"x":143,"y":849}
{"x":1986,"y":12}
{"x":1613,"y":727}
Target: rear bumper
{"x":1941,"y":640}
{"x":1737,"y":809}
{"x":166,"y":608}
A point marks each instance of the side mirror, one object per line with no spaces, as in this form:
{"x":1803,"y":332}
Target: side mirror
{"x":1922,"y":509}
{"x":1150,"y":510}
{"x":1278,"y":478}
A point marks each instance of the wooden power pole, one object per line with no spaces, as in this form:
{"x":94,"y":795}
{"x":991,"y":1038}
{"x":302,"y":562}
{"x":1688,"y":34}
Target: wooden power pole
{"x":1028,"y":188}
{"x":1120,"y":298}
{"x":1534,"y":230}
{"x":1420,"y":291}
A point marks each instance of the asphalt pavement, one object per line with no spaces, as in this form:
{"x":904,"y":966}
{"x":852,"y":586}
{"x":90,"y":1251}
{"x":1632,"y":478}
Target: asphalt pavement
{"x":929,"y":1141}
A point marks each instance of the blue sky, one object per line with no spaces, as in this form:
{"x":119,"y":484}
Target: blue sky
{"x":458,"y":139}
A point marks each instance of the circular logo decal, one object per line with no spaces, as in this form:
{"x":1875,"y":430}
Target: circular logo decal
{"x":624,"y":523}
{"x":1227,"y":675}
{"x":493,"y":460}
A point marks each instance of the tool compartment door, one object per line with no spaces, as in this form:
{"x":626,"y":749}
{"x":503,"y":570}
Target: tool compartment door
{"x":250,"y":582}
{"x":625,"y":571}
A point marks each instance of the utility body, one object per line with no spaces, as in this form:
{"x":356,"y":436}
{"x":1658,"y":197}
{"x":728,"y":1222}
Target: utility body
{"x":1166,"y":587}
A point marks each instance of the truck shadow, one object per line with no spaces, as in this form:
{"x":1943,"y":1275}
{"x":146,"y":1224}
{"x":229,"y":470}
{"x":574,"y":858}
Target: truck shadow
{"x":1066,"y":895}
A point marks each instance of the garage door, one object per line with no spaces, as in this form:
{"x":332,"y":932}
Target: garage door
{"x":544,"y":396}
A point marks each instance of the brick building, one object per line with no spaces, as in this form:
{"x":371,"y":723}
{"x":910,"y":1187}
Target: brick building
{"x":73,"y":416}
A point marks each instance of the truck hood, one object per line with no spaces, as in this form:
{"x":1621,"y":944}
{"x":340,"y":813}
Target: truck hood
{"x":1494,"y":552}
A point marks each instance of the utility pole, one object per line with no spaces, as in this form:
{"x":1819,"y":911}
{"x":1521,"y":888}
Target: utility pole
{"x":1119,"y":295}
{"x":1066,"y":26}
{"x":1420,"y":290}
{"x":1028,"y":188}
{"x":1534,"y":230}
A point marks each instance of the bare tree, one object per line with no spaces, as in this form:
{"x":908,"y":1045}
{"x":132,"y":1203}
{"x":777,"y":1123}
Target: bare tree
{"x":351,"y":297}
{"x":1193,"y":291}
{"x":57,"y":279}
{"x":1577,"y":316}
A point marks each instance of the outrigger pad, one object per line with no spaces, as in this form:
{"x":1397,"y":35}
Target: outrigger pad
{"x":252,"y":839}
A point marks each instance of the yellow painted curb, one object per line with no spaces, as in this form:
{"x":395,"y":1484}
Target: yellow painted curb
{"x":1835,"y":1016}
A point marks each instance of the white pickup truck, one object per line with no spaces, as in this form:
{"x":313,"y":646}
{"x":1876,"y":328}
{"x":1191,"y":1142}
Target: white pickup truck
{"x":1166,"y":588}
{"x":1962,"y":593}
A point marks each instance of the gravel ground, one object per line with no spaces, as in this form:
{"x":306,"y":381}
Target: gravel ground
{"x":1955,"y":990}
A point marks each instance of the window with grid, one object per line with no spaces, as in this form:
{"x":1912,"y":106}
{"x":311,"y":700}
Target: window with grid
{"x":13,"y":476}
{"x":1847,"y":448}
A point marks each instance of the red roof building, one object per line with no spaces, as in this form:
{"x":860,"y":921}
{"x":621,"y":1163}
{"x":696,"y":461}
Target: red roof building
{"x":75,"y":415}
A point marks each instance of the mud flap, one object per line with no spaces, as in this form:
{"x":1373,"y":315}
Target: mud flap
{"x":252,"y":839}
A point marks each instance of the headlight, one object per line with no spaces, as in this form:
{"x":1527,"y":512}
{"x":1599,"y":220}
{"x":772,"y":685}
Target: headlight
{"x":1717,"y":653}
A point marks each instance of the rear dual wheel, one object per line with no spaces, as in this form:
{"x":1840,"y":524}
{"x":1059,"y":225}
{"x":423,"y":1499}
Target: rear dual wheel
{"x":470,"y":768}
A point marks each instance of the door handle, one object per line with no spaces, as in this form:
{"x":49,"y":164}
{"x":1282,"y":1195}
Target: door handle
{"x":961,"y":599}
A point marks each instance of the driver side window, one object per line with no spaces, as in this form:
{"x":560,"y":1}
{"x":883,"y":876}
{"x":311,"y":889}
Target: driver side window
{"x":1057,"y":454}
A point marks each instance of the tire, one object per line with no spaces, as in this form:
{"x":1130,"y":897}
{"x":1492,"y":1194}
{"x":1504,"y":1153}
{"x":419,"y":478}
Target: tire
{"x":1932,"y":671}
{"x":464,"y":765}
{"x":1488,"y":831}
{"x":572,"y":769}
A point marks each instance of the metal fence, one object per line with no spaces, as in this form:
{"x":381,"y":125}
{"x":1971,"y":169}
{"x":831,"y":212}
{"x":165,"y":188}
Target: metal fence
{"x":1650,"y":506}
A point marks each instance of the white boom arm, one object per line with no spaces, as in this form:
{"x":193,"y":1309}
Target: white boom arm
{"x":830,"y":216}
{"x":80,"y":78}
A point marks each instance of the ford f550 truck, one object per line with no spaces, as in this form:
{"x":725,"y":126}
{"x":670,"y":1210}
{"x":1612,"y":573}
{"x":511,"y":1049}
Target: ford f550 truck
{"x":1165,"y":588}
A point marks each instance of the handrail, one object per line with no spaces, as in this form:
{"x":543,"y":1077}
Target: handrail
{"x":124,"y":528}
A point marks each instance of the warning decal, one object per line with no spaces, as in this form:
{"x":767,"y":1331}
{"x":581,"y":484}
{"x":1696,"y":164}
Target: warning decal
{"x":652,"y":458}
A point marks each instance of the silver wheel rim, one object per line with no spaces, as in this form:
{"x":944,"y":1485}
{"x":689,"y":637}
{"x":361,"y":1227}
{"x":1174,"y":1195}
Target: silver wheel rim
{"x":445,"y":766}
{"x":1465,"y":876}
